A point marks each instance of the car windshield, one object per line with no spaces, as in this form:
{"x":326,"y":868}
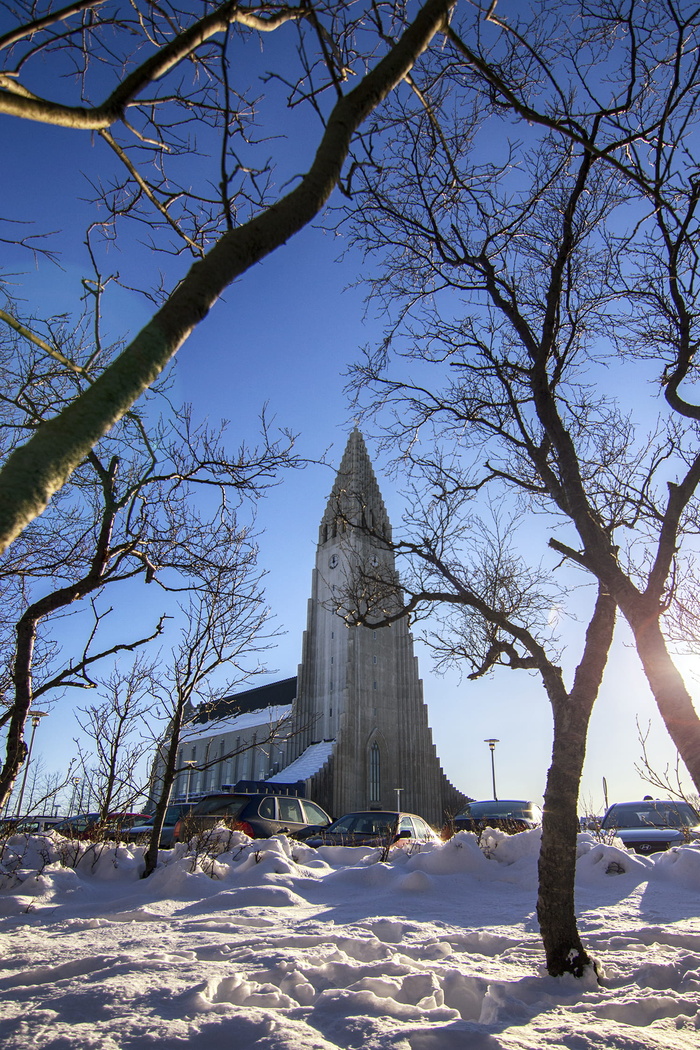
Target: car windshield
{"x":78,"y":823}
{"x":232,"y":804}
{"x":174,"y":812}
{"x":480,"y":810}
{"x":651,"y":814}
{"x":365,"y":823}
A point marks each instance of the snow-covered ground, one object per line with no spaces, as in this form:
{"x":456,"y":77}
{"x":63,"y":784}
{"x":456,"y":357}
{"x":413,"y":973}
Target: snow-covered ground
{"x":290,"y":948}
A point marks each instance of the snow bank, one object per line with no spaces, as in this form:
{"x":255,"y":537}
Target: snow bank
{"x":272,"y":945}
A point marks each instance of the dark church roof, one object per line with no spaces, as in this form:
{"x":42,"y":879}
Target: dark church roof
{"x":272,"y":695}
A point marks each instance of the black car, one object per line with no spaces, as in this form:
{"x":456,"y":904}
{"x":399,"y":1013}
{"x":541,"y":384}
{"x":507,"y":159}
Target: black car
{"x":652,"y":825}
{"x":141,"y":833}
{"x":259,"y":815}
{"x":509,"y":815}
{"x":371,"y":828}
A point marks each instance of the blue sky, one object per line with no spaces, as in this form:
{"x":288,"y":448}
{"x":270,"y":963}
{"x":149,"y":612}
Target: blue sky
{"x":285,"y":334}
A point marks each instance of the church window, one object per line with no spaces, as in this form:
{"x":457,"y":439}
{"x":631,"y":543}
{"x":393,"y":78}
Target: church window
{"x":374,"y":659}
{"x":375,"y":792}
{"x":219,"y":769}
{"x":374,"y":685}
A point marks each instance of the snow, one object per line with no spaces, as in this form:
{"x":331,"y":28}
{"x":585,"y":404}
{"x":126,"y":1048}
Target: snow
{"x":310,"y":761}
{"x":272,"y":945}
{"x":235,"y":723}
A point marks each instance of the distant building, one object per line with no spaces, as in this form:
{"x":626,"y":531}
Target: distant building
{"x":355,"y":731}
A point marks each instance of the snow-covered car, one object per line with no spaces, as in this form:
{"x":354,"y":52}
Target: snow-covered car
{"x":509,"y":815}
{"x":371,"y":828}
{"x":652,"y":825}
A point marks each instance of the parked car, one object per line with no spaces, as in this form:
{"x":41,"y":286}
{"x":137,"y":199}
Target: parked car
{"x":141,"y":833}
{"x":88,"y":826}
{"x":652,"y":825}
{"x":258,"y":814}
{"x":509,"y":815}
{"x":31,"y":825}
{"x":371,"y":828}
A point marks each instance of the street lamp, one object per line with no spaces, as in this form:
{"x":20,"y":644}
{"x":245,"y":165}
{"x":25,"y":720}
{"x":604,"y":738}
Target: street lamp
{"x":191,"y":764}
{"x":75,"y":781}
{"x":36,"y":717}
{"x":492,"y":741}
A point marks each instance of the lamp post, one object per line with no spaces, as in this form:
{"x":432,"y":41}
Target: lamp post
{"x":191,"y":764}
{"x":36,"y":717}
{"x":492,"y":741}
{"x":75,"y":781}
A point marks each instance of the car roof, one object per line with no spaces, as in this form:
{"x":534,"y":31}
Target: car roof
{"x":378,"y":813}
{"x":501,"y":802}
{"x":250,"y":794}
{"x":653,"y":802}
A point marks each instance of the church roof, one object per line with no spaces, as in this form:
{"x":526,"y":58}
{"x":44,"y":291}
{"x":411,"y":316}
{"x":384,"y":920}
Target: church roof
{"x":355,"y":496}
{"x":269,"y":716}
{"x":274,"y":694}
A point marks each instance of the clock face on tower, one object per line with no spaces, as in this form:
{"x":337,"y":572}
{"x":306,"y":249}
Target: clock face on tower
{"x":333,"y":561}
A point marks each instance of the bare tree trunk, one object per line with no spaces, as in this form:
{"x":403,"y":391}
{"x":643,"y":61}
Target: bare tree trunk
{"x":556,"y":910}
{"x":673,"y":700}
{"x":15,"y":747}
{"x":166,"y":784}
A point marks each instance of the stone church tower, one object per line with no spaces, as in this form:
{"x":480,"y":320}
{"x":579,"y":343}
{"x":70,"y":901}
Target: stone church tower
{"x":361,"y":738}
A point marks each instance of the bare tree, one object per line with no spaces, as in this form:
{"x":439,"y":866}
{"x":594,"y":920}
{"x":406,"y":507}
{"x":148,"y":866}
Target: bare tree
{"x":538,"y":218}
{"x":115,"y":739}
{"x":636,"y":132}
{"x":130,"y":514}
{"x":494,"y":610}
{"x":185,"y":84}
{"x":225,"y":624}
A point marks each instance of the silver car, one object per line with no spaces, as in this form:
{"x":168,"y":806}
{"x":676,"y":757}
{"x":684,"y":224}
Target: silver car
{"x":652,"y":825}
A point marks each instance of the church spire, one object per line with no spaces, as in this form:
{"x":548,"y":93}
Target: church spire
{"x":355,"y":498}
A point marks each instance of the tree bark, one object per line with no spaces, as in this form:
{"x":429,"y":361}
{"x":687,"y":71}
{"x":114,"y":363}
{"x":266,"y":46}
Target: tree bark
{"x":556,"y":909}
{"x":168,"y":779}
{"x":673,"y":700}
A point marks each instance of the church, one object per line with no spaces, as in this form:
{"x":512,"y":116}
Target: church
{"x":351,"y":730}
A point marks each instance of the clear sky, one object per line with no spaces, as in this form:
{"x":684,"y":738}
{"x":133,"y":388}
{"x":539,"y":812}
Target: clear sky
{"x":285,"y":334}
